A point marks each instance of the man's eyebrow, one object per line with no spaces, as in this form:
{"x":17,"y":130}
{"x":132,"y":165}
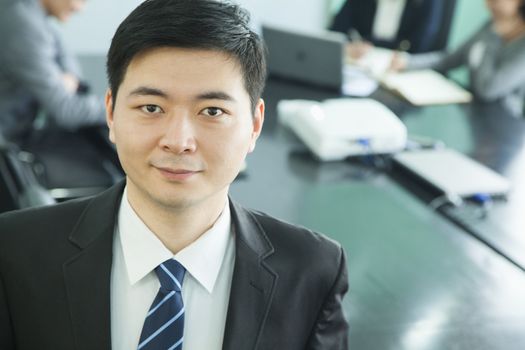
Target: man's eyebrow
{"x":210,"y":95}
{"x":148,"y":91}
{"x":215,"y":95}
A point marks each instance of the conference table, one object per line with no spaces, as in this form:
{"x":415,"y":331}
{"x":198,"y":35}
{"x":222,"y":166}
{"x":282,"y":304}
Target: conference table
{"x":420,"y":279}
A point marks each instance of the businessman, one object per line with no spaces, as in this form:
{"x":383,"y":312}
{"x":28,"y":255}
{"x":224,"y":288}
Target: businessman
{"x":38,"y":76}
{"x":410,"y":25}
{"x":167,"y":260}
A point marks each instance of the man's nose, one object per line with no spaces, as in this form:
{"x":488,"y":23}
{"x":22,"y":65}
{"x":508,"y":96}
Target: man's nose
{"x":179,"y":135}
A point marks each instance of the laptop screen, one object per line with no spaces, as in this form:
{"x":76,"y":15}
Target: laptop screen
{"x":315,"y":58}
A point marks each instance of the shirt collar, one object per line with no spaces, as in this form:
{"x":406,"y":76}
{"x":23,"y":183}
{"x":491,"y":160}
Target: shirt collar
{"x":143,"y":251}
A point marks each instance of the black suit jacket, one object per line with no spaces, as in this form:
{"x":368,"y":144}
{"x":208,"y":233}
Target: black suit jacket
{"x":420,"y":25}
{"x":55,"y":266}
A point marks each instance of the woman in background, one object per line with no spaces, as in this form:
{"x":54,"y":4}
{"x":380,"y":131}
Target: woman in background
{"x":494,"y":56}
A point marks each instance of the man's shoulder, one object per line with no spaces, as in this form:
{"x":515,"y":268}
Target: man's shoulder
{"x":66,"y":213}
{"x":289,"y":238}
{"x":24,"y":18}
{"x":42,"y":219}
{"x":27,"y":12}
{"x":298,"y":251}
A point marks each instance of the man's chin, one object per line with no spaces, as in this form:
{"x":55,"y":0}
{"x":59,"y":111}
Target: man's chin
{"x":174,"y":203}
{"x":173,"y":200}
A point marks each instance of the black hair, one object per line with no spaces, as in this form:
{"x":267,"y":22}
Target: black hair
{"x":522,"y":9}
{"x":198,"y":24}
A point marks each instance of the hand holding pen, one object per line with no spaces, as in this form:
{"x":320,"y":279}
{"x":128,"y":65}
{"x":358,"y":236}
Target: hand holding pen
{"x":357,"y":47}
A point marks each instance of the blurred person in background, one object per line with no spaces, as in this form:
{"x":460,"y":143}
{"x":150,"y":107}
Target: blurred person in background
{"x":407,"y":25}
{"x":494,"y":56}
{"x":37,"y":74}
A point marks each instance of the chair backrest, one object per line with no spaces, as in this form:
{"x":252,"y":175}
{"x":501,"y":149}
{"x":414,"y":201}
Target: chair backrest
{"x":73,"y":164}
{"x":19,"y":187}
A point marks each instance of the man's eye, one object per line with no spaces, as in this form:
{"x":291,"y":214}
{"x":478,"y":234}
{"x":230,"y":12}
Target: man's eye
{"x":213,"y":111}
{"x":150,"y":109}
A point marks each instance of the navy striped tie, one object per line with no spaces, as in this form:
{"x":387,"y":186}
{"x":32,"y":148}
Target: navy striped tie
{"x":164,"y":322}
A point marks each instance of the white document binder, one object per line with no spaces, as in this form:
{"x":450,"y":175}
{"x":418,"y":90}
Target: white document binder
{"x":454,"y":173}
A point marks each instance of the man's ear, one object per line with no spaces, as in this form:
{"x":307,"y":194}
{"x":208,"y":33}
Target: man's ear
{"x":110,"y":114}
{"x":257,"y":122}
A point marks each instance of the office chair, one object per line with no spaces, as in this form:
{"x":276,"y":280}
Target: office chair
{"x":56,"y":165}
{"x":72,"y":164}
{"x":19,"y":187}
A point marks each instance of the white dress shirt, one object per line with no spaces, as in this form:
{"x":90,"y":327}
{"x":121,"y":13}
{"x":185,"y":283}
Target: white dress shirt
{"x":209,"y":265}
{"x":388,"y":19}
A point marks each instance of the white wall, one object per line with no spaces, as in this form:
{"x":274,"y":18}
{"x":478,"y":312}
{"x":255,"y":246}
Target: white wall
{"x":90,"y":31}
{"x":296,"y":14}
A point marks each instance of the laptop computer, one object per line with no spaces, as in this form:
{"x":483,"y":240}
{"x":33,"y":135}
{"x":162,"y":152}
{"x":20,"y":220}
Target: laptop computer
{"x":453,"y":173}
{"x":314,"y":58}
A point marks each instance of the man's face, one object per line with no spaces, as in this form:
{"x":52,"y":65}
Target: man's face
{"x":62,"y":9}
{"x":183,"y":125}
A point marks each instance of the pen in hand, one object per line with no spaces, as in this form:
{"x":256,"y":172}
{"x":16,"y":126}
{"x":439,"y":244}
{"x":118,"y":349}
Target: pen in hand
{"x":354,"y":35}
{"x":357,"y":47}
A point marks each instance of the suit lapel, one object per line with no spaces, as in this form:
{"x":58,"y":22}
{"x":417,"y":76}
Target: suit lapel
{"x":253,"y":283}
{"x":87,"y":275}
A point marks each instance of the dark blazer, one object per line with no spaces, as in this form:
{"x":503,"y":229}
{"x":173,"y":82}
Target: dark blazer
{"x":420,"y":23}
{"x":55,"y":266}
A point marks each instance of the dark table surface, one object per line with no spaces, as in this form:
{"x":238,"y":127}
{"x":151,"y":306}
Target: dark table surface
{"x":417,"y":280}
{"x":494,"y":138}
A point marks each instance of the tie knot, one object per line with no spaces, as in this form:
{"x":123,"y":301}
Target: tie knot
{"x":170,"y":274}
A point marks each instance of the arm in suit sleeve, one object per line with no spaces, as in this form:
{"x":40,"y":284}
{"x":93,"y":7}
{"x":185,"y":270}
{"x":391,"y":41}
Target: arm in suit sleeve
{"x":6,"y":332}
{"x":343,"y":20}
{"x":426,"y":26}
{"x":443,"y":62}
{"x":331,"y":329}
{"x":29,"y":60}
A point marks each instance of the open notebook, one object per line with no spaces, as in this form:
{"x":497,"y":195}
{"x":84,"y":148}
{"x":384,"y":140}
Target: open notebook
{"x":421,"y":87}
{"x":425,"y":87}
